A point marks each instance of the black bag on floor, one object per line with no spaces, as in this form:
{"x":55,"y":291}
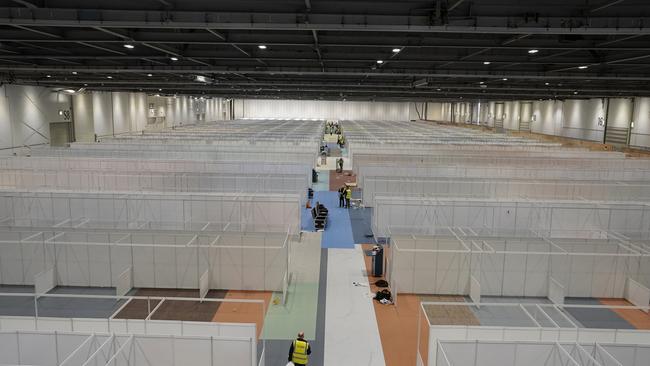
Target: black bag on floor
{"x":383,"y":294}
{"x":381,"y":283}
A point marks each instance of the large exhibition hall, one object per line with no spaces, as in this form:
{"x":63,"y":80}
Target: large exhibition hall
{"x":324,"y":183}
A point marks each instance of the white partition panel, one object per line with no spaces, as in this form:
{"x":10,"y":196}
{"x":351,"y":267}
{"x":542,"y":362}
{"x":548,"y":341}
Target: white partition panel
{"x":261,"y":212}
{"x":45,"y":281}
{"x":124,"y":282}
{"x":637,"y":294}
{"x":572,"y":219}
{"x":237,"y":261}
{"x":474,"y":290}
{"x":522,"y":267}
{"x":204,"y":284}
{"x":555,"y":291}
{"x":76,"y":349}
{"x":539,"y":353}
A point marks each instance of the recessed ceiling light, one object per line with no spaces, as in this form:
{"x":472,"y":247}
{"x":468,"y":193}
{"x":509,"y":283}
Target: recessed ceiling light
{"x":486,"y":62}
{"x":74,"y":73}
{"x":129,"y":46}
{"x":174,"y":58}
{"x":159,"y":89}
{"x":69,"y":91}
{"x":109,"y":77}
{"x":505,"y":79}
{"x":261,"y":47}
{"x":583,"y":67}
{"x":380,"y":62}
{"x":575,"y":92}
{"x":533,"y":51}
{"x":481,"y":82}
{"x":396,"y":50}
{"x":85,"y":84}
{"x":149,"y":75}
{"x":438,"y":89}
{"x":547,"y":83}
{"x":48,"y":76}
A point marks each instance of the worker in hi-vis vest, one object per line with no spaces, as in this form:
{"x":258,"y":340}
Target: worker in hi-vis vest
{"x":299,"y":351}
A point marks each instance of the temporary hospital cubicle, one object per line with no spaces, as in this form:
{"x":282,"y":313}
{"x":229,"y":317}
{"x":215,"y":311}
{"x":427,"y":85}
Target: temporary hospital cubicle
{"x":548,"y":353}
{"x":533,"y":334}
{"x":565,"y":189}
{"x":516,"y":217}
{"x":549,"y":268}
{"x":64,"y":348}
{"x":101,"y":180}
{"x":145,"y":259}
{"x":248,"y":212}
{"x":252,"y":156}
{"x":154,"y":165}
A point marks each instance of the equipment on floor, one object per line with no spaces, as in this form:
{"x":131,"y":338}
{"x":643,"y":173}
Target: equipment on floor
{"x":381,"y":283}
{"x":319,"y":215}
{"x":310,"y":193}
{"x":314,"y":176}
{"x":356,"y":203}
{"x":384,"y":295}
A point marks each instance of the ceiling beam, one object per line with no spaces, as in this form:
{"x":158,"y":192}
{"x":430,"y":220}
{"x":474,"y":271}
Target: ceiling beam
{"x":44,"y":33}
{"x":233,"y":45}
{"x":605,"y":6}
{"x":392,"y":44}
{"x":317,"y":48}
{"x":351,"y":73}
{"x":504,"y":43}
{"x":113,"y":33}
{"x":166,"y":3}
{"x":25,"y":3}
{"x":454,"y":5}
{"x":328,"y":22}
{"x":101,"y":48}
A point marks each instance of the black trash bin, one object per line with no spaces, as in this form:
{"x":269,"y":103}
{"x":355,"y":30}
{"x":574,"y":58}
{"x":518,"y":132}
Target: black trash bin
{"x":314,"y":176}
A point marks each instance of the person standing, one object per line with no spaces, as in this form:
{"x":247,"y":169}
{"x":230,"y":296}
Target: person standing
{"x":299,"y":351}
{"x":342,"y":197}
{"x":348,"y":197}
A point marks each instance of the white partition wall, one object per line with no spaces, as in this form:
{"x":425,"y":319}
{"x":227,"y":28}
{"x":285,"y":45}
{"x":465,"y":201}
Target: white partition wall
{"x":548,"y":325}
{"x":73,"y":349}
{"x":521,"y":267}
{"x":153,"y":165}
{"x":502,"y":172}
{"x":253,"y":212}
{"x":551,"y":189}
{"x":99,"y":180}
{"x":578,"y":219}
{"x":494,"y":353}
{"x":234,"y":261}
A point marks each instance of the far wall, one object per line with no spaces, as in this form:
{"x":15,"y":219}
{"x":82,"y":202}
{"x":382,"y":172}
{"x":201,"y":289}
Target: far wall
{"x":325,"y":109}
{"x":34,"y":115}
{"x":576,"y":118}
{"x":26,"y":113}
{"x":113,"y":113}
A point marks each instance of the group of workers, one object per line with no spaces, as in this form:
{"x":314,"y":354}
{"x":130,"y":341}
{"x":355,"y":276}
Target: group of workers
{"x":345,"y":195}
{"x":332,"y":128}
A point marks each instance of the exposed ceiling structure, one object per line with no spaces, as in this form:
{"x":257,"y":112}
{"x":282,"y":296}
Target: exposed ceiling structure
{"x":340,"y":49}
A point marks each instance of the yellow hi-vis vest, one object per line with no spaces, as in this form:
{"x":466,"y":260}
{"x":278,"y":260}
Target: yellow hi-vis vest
{"x":299,"y":352}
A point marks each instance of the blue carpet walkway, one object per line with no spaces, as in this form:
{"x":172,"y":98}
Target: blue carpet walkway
{"x":338,"y":233}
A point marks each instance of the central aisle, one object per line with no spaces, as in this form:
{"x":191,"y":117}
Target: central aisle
{"x":351,"y":332}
